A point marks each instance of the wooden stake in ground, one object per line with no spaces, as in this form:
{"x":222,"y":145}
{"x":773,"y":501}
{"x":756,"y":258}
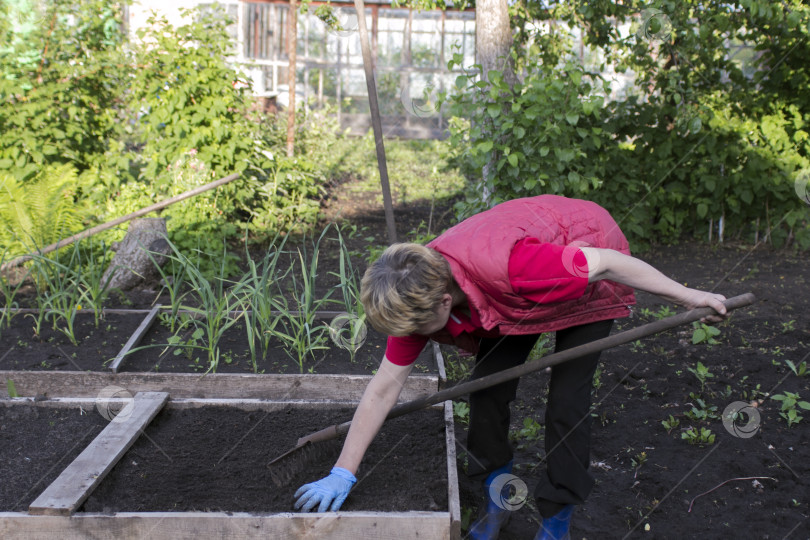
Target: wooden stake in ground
{"x":376,"y":121}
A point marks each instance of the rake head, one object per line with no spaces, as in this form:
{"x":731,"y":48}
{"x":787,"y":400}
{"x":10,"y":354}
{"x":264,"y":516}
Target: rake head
{"x":287,"y":466}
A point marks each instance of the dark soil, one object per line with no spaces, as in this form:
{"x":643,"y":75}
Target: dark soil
{"x":235,"y":356}
{"x":22,"y":349}
{"x":642,"y":384}
{"x":53,"y":351}
{"x":214,"y":459}
{"x":639,"y":386}
{"x":37,"y":444}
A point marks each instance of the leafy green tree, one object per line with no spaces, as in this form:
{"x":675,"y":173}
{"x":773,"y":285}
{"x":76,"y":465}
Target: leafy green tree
{"x":184,"y":94}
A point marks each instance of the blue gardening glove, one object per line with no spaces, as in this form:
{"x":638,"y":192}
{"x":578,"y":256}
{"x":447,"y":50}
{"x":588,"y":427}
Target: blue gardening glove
{"x":332,"y":489}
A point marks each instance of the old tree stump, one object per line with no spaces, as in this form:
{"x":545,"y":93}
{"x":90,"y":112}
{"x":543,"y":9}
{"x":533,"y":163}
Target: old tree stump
{"x":137,"y":255}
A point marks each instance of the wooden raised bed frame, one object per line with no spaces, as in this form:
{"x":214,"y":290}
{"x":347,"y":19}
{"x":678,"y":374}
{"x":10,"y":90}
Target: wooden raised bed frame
{"x":194,"y":525}
{"x":217,"y":385}
{"x":79,"y":388}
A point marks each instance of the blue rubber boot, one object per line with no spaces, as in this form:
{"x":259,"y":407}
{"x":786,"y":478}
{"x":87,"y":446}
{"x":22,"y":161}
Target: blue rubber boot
{"x":492,"y":515}
{"x":556,"y":527}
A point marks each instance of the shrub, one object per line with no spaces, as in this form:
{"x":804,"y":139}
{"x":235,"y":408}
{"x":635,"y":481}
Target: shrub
{"x":699,"y":137}
{"x":193,"y":126}
{"x":62,"y":73}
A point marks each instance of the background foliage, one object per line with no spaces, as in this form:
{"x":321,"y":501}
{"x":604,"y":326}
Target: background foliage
{"x":707,"y":131}
{"x":62,"y":71}
{"x":134,"y":123}
{"x":38,"y":209}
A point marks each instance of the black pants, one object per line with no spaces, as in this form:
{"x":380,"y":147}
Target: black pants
{"x":567,"y":426}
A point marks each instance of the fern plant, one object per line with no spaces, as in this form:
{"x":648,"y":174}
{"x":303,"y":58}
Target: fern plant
{"x":40,"y":211}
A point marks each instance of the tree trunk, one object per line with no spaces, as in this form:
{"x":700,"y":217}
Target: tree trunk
{"x":493,"y":42}
{"x":493,"y":38}
{"x":133,"y":263}
{"x":292,"y":39}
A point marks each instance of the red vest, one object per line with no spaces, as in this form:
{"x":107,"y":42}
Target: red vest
{"x":478,"y":251}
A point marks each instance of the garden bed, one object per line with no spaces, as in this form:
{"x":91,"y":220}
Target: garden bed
{"x":158,"y":356}
{"x":22,"y":349}
{"x":136,"y":341}
{"x":82,"y":371}
{"x":38,"y":442}
{"x":201,"y":470}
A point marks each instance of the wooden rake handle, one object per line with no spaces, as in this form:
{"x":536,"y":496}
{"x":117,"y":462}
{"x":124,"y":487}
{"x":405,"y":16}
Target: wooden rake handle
{"x":529,"y":367}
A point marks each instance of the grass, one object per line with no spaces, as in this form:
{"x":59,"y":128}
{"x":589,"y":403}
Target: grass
{"x":411,"y":175}
{"x":275,"y":296}
{"x":173,"y":278}
{"x":94,"y":280}
{"x":60,"y":295}
{"x":349,"y":330}
{"x":298,"y":329}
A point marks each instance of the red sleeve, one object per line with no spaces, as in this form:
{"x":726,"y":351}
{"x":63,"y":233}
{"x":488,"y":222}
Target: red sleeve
{"x":402,"y":351}
{"x":547,"y":273}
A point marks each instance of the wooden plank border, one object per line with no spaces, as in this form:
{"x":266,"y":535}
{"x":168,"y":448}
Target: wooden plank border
{"x":442,"y":525}
{"x":135,"y":338}
{"x":70,"y":489}
{"x":193,"y":403}
{"x":220,"y":385}
{"x":453,"y":497}
{"x":437,"y":355}
{"x":196,"y":525}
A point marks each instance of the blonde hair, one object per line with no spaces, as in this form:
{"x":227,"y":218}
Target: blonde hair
{"x":401,"y":290}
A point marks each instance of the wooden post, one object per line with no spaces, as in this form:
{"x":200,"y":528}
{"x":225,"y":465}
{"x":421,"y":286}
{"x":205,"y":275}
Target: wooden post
{"x":292,"y":35}
{"x":406,"y":62}
{"x":376,"y":122}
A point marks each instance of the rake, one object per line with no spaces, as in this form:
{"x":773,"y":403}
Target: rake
{"x":289,"y":464}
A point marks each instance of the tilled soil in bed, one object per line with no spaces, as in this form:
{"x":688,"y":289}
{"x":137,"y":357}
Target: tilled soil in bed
{"x":36,"y":444}
{"x":213,"y":458}
{"x":96,"y":347}
{"x":21,"y":348}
